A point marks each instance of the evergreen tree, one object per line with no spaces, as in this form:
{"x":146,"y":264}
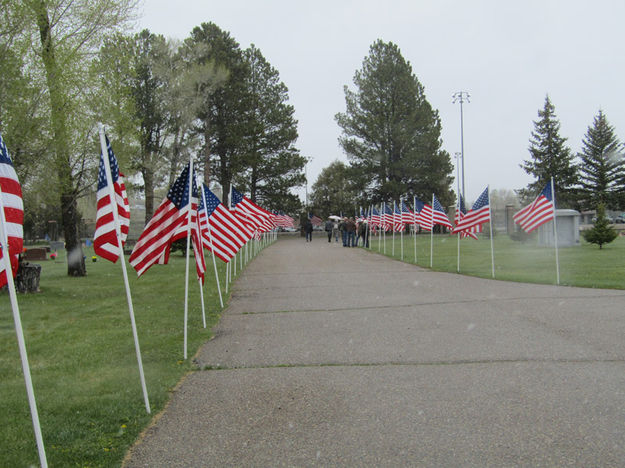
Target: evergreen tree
{"x":601,"y":233}
{"x":602,"y":171}
{"x":273,"y":163}
{"x":222,"y":114}
{"x":391,"y":134}
{"x":550,"y":157}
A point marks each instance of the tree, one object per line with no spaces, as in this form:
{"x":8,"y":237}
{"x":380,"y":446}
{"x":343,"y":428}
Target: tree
{"x":602,"y":170}
{"x":222,"y":122}
{"x":148,"y":90}
{"x":334,"y":191}
{"x":549,"y":157}
{"x":69,"y":33}
{"x":274,"y":164}
{"x":391,"y":134}
{"x":601,"y":233}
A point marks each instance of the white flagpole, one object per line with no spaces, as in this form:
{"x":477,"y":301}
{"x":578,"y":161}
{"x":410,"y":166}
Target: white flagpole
{"x":199,"y":280}
{"x":414,"y":214}
{"x":380,"y":231}
{"x":385,"y":224}
{"x":492,"y":250}
{"x":393,"y":224}
{"x":122,"y":257}
{"x":555,"y":232}
{"x":432,"y":233}
{"x":186,"y":274}
{"x":210,"y":239}
{"x":368,"y":233}
{"x":458,"y":233}
{"x":401,"y":233}
{"x":20,"y":337}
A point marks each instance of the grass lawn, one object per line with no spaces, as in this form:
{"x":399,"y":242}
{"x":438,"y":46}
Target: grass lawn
{"x":82,"y":355}
{"x":83,"y":362}
{"x":584,"y":265}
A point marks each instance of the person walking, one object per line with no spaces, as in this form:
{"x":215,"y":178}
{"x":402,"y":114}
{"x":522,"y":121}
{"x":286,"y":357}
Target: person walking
{"x":328,"y":228}
{"x":335,"y":230}
{"x":343,"y":230}
{"x":350,"y":227}
{"x":363,"y":233}
{"x":308,"y":229}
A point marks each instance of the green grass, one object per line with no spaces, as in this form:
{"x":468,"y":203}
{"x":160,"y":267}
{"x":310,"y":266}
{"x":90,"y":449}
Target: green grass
{"x":83,"y":362}
{"x":584,"y":265}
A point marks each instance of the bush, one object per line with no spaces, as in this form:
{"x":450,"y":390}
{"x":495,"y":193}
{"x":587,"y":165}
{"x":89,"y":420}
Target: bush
{"x":601,"y":232}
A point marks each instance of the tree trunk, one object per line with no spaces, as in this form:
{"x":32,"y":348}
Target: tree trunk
{"x":58,"y":119}
{"x":148,"y":180}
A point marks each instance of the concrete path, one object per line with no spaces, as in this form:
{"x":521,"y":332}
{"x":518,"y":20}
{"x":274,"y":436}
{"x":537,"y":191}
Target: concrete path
{"x":329,"y":356}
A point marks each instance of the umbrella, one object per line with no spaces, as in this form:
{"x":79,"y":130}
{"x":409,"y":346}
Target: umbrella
{"x":335,"y":217}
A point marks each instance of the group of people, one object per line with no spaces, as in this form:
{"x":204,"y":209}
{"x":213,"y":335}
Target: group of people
{"x":350,"y":231}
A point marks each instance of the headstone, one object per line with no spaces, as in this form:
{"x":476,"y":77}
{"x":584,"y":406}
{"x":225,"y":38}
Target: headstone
{"x":55,"y":246}
{"x":35,"y":253}
{"x":567,"y":225}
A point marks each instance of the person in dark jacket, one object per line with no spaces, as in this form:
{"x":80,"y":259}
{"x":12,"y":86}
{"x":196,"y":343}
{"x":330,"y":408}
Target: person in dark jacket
{"x":308,"y":229}
{"x":350,"y":227}
{"x":363,"y":233}
{"x":328,"y":228}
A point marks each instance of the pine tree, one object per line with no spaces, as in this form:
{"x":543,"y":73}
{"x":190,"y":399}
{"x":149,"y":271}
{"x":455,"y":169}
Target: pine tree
{"x":391,"y":134}
{"x":601,"y":233}
{"x":550,"y":157}
{"x":602,"y":170}
{"x":273,"y":165}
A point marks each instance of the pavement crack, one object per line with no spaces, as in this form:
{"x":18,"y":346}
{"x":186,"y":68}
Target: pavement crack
{"x":452,"y":362}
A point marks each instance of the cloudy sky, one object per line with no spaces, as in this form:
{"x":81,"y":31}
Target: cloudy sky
{"x":507,"y":55}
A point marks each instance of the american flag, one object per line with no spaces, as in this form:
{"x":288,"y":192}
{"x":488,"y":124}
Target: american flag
{"x":537,"y":213}
{"x":418,"y":207}
{"x":314,"y":219}
{"x":105,"y":239}
{"x":168,"y":224}
{"x":434,"y":216}
{"x":222,"y":232}
{"x":386,"y":218}
{"x":283,"y":220}
{"x":398,"y":223}
{"x":362,"y":216}
{"x":13,"y":211}
{"x":375,"y":217}
{"x":251,"y":212}
{"x":407,"y":216}
{"x":459,"y":217}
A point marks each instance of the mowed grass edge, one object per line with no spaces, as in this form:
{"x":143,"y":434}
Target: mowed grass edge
{"x":83,"y":362}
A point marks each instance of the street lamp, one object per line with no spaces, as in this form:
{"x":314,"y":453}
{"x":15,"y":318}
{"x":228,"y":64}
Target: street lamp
{"x":461,"y":97}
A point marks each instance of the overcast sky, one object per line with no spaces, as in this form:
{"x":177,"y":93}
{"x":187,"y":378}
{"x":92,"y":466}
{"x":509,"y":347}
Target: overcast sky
{"x":507,"y":55}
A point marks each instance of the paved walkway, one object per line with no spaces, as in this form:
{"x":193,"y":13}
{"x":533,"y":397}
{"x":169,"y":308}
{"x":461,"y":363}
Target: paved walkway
{"x":328,"y":356}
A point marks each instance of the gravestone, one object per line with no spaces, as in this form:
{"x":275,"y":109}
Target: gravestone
{"x":35,"y":253}
{"x":55,"y":246}
{"x":567,"y":225}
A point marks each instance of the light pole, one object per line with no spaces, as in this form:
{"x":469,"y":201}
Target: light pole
{"x":461,"y":97}
{"x":458,"y":157}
